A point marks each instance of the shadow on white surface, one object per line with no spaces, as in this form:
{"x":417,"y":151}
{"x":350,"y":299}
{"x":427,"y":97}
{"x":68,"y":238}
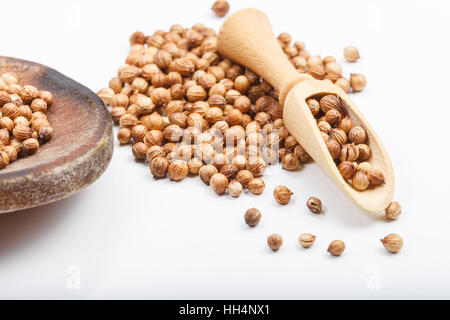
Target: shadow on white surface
{"x":20,"y":229}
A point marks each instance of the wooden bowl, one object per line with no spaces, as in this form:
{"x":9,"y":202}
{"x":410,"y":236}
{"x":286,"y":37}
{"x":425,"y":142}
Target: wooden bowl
{"x":75,"y":157}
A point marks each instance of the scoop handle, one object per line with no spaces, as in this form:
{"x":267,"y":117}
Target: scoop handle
{"x":246,"y":37}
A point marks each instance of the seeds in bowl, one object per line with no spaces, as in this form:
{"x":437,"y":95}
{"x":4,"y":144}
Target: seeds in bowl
{"x":24,"y":126}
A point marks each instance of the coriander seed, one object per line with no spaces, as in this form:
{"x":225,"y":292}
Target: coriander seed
{"x":357,"y":135}
{"x":219,"y":183}
{"x":252,"y":217}
{"x":393,"y":210}
{"x":178,"y":170}
{"x":159,"y":167}
{"x":392,"y":242}
{"x":347,"y":169}
{"x":376,"y":177}
{"x":256,"y":186}
{"x":360,"y":180}
{"x":244,"y":177}
{"x":235,"y":188}
{"x":220,"y":8}
{"x":306,"y":240}
{"x":314,"y":205}
{"x":4,"y":159}
{"x":357,"y":81}
{"x":206,"y":173}
{"x":336,"y":248}
{"x":282,"y":194}
{"x":275,"y":241}
{"x":351,"y":54}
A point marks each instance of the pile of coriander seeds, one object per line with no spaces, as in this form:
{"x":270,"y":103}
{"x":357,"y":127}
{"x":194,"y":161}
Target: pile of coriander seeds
{"x":23,"y":122}
{"x":188,"y":111}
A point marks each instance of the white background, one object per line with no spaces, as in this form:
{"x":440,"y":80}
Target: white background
{"x":128,"y":236}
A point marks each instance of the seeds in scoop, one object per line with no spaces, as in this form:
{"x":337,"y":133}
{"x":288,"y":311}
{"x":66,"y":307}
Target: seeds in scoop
{"x":393,"y":210}
{"x":336,"y":248}
{"x":252,"y":217}
{"x":392,"y":242}
{"x":357,"y":135}
{"x":347,"y":169}
{"x":351,"y":54}
{"x":306,"y":240}
{"x":282,"y":194}
{"x":274,"y":241}
{"x":314,"y":205}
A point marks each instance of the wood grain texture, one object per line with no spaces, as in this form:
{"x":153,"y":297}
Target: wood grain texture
{"x":247,"y":38}
{"x":76,"y":156}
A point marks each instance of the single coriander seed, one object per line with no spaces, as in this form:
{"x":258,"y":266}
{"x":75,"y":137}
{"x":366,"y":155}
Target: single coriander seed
{"x":336,"y":248}
{"x":252,"y":217}
{"x":256,"y":186}
{"x":234,"y":188}
{"x":393,"y":210}
{"x":282,"y":194}
{"x":351,"y":54}
{"x":219,"y":183}
{"x":392,"y":242}
{"x":314,"y":205}
{"x":220,"y":8}
{"x":357,"y":81}
{"x":306,"y":240}
{"x":159,"y":167}
{"x":178,"y":170}
{"x":274,"y":241}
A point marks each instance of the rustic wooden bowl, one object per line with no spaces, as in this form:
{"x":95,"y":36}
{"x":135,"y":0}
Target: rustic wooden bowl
{"x":77,"y":155}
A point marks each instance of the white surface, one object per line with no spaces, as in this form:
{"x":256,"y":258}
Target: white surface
{"x":128,"y":236}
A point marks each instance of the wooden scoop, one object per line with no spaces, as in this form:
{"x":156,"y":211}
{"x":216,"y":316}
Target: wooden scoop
{"x":75,"y":157}
{"x":247,"y":38}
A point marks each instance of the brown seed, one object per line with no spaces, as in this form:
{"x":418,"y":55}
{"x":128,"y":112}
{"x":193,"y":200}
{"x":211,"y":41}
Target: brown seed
{"x":333,"y":116}
{"x":206,"y":172}
{"x":360,"y":180}
{"x":338,"y":135}
{"x":252,"y":217}
{"x":301,"y":154}
{"x":392,"y":242}
{"x":159,"y":167}
{"x":275,"y":241}
{"x":244,"y":177}
{"x":336,"y":248}
{"x":220,"y":8}
{"x":334,"y":148}
{"x":364,"y":152}
{"x":21,"y":132}
{"x":11,"y":152}
{"x":139,"y":150}
{"x":256,"y":186}
{"x":393,"y":211}
{"x":229,"y":171}
{"x":4,"y":159}
{"x":376,"y":177}
{"x":347,"y":169}
{"x":178,"y":170}
{"x":219,"y":183}
{"x":314,"y":205}
{"x":124,"y":135}
{"x":46,"y":133}
{"x":282,"y":194}
{"x":330,"y":102}
{"x":349,"y":152}
{"x":234,"y":188}
{"x":306,"y":240}
{"x":290,"y":162}
{"x":357,"y":135}
{"x":357,"y":81}
{"x":351,"y":54}
{"x":30,"y":146}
